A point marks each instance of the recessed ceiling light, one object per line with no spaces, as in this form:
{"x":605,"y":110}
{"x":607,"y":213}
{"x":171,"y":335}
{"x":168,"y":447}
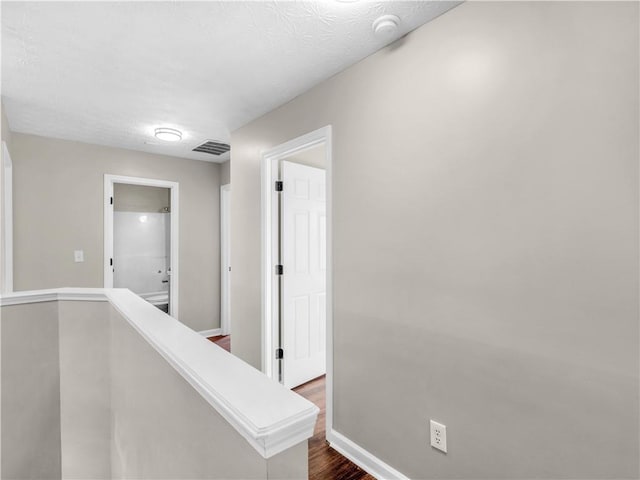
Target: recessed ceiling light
{"x":386,"y":25}
{"x":168,"y":134}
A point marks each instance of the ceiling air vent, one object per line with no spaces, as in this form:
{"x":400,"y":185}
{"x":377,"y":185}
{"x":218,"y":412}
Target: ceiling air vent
{"x":212,"y":148}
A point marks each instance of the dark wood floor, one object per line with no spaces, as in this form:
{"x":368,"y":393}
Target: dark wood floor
{"x":223,"y":341}
{"x":324,"y":462}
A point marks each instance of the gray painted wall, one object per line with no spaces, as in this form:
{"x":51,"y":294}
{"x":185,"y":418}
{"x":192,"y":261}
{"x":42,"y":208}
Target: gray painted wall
{"x":85,"y":390}
{"x":84,"y":396}
{"x":485,"y":182}
{"x":6,"y":132}
{"x":225,"y":173}
{"x":5,"y":135}
{"x":140,"y":198}
{"x":58,"y":208}
{"x":314,"y":157}
{"x":30,"y":382}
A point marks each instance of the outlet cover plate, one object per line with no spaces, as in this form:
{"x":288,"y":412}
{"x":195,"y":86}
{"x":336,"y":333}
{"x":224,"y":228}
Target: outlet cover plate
{"x":438,"y":435}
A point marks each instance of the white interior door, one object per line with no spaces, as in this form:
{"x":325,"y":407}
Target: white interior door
{"x":303,"y":256}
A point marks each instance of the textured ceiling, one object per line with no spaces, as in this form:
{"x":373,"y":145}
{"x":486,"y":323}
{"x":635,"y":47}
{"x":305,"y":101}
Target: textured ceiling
{"x":110,"y":72}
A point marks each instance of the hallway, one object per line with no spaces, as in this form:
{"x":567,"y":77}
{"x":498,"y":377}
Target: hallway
{"x":324,"y":462}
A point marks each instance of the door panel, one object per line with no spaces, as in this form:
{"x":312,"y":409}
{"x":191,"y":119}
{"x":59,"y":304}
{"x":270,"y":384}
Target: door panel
{"x":301,"y":327}
{"x":303,"y":243}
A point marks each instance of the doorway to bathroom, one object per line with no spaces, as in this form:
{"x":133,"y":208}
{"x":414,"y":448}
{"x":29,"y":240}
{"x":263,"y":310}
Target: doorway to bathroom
{"x":141,"y":239}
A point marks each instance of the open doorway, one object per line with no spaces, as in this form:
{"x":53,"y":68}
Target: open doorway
{"x":304,"y":166}
{"x":296,"y":226}
{"x":141,"y":239}
{"x":141,"y":242}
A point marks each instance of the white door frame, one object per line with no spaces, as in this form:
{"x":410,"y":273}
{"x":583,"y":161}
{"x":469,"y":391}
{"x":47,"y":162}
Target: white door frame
{"x":225,"y":260}
{"x":109,"y":181}
{"x":270,"y":294}
{"x":7,"y":215}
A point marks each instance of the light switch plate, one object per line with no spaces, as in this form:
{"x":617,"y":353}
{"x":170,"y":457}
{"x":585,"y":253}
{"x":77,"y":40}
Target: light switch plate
{"x":78,"y":256}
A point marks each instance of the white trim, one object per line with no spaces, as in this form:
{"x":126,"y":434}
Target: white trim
{"x":7,"y":214}
{"x":266,"y":364}
{"x":225,"y":259}
{"x":281,"y":420}
{"x":58,"y":294}
{"x":83,"y":295}
{"x":173,"y":187}
{"x":363,"y":458}
{"x":271,"y":292}
{"x":269,"y":171}
{"x":214,"y":332}
{"x":328,"y":149}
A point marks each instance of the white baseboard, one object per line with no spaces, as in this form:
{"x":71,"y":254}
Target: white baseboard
{"x":364,"y":459}
{"x":211,"y":333}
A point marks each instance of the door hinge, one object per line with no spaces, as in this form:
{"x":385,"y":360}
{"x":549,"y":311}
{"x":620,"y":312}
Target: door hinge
{"x":111,"y":200}
{"x":279,"y":270}
{"x":279,"y":354}
{"x":279,"y":186}
{"x":111,"y":262}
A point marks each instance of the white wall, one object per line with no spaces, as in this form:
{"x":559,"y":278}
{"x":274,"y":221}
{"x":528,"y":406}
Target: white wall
{"x":58,"y":208}
{"x":485,"y":182}
{"x":141,"y":251}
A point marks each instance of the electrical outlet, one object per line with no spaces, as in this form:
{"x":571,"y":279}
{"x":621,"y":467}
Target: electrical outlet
{"x":438,"y":436}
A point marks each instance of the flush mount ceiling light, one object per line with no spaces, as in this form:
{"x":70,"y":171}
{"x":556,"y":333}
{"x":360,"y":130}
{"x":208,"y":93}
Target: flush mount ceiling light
{"x":386,"y":25}
{"x":168,"y":134}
